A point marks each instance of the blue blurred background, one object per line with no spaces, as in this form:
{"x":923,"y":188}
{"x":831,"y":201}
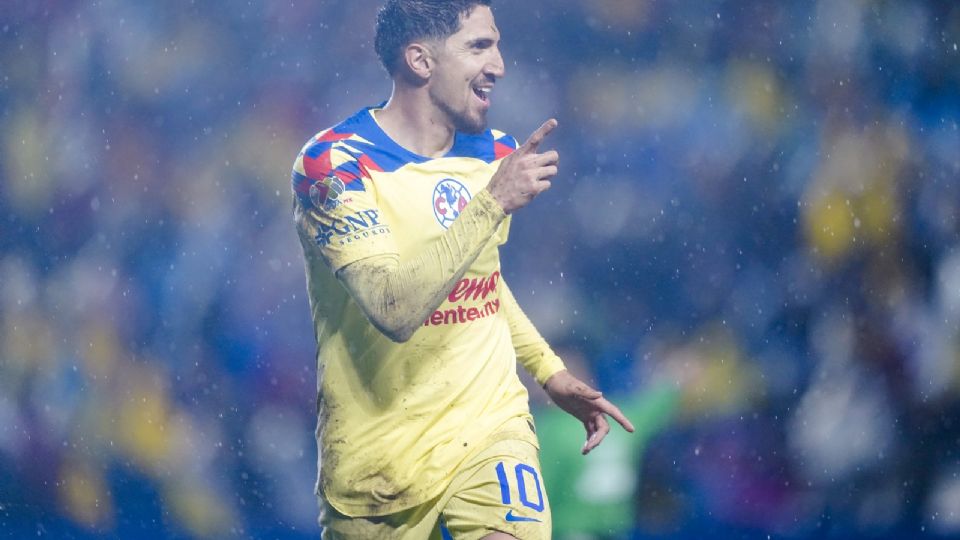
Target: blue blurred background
{"x":752,"y":247}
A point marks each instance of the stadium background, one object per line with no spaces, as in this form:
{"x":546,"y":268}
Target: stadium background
{"x":752,"y":247}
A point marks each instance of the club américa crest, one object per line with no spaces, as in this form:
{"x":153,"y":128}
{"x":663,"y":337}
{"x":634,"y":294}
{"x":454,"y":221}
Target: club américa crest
{"x":450,"y":197}
{"x":325,"y":193}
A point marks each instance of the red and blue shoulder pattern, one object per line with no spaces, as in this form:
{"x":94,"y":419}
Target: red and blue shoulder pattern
{"x":357,"y":146}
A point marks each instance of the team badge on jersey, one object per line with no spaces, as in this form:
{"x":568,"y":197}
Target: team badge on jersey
{"x":450,"y":197}
{"x":325,"y":193}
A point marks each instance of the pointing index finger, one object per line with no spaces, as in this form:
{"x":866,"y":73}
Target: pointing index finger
{"x":537,"y":136}
{"x":616,"y":414}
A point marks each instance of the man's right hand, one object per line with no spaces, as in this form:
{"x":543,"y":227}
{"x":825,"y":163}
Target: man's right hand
{"x":524,"y":174}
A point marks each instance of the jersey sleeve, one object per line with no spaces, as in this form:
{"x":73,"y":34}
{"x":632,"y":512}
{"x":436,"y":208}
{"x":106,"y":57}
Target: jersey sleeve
{"x":335,"y":203}
{"x":533,"y":352}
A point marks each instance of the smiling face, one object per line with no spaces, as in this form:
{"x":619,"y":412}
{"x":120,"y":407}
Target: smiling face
{"x":468,"y":63}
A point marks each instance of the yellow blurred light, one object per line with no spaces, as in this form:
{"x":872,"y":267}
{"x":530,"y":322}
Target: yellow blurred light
{"x":100,"y":349}
{"x":28,"y":178}
{"x":877,"y":209}
{"x":754,"y":89}
{"x":199,"y":510}
{"x":27,"y":341}
{"x":142,"y":422}
{"x":830,"y":226}
{"x":84,"y":496}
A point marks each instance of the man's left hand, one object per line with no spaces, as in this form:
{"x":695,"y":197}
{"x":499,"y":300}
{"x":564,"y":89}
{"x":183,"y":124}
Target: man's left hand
{"x":587,"y":405}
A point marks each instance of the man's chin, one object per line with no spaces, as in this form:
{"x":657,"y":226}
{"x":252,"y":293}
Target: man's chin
{"x":465,"y":122}
{"x":473,"y":130}
{"x":472,"y":126}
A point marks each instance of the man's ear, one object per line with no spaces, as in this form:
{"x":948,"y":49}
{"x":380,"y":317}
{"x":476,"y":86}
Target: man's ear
{"x":420,"y":60}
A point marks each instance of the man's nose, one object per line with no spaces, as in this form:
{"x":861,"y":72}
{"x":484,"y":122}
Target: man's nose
{"x":495,"y":66}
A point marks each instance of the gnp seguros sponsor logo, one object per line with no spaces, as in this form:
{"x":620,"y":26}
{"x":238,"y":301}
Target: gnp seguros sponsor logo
{"x":351,"y":228}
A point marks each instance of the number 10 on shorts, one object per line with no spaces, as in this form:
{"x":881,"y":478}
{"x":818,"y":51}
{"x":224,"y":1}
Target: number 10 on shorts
{"x":524,"y":474}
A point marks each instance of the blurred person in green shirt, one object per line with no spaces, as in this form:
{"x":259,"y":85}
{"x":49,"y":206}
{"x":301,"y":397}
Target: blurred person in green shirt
{"x":595,"y":496}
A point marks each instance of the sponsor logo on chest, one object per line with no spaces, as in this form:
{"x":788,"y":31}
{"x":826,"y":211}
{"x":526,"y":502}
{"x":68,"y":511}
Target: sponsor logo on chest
{"x":469,"y":291}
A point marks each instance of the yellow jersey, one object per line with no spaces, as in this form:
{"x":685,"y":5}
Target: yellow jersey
{"x":396,"y":419}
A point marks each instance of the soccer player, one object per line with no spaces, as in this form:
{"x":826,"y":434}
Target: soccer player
{"x":423,"y":426}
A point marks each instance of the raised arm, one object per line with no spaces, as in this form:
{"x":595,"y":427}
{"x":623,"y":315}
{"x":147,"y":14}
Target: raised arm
{"x":397,"y":297}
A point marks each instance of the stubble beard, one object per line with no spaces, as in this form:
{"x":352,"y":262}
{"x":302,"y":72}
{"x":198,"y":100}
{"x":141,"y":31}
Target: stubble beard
{"x":462,"y":121}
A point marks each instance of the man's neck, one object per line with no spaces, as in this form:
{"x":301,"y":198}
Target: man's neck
{"x":412,"y":120}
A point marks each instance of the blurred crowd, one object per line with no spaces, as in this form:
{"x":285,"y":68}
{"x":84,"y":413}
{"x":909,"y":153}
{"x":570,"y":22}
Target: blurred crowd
{"x":752,"y":246}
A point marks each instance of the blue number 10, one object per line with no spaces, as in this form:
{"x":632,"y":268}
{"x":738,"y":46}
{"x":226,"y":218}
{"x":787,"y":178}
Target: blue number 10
{"x":520,"y":470}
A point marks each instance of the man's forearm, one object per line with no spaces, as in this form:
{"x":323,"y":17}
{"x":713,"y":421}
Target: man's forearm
{"x":533,"y":352}
{"x":397,"y":297}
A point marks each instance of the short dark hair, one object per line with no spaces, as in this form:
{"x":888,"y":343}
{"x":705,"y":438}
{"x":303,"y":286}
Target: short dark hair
{"x":400,"y":22}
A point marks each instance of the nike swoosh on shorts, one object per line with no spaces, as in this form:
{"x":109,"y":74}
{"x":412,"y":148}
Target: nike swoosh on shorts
{"x":511,"y":517}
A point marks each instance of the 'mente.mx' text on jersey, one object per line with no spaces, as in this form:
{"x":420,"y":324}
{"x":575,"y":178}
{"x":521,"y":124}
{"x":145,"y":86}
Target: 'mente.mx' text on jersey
{"x":468,"y":289}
